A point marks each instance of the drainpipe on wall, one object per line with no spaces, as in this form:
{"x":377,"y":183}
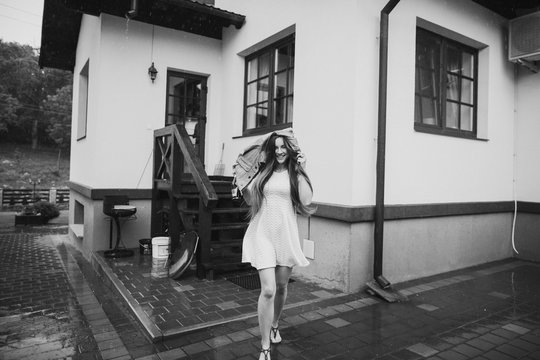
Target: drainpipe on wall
{"x":381,"y":144}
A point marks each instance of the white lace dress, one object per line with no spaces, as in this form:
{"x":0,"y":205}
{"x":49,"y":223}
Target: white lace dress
{"x":272,"y":236}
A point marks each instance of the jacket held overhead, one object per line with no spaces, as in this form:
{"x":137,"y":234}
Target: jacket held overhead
{"x":250,"y":160}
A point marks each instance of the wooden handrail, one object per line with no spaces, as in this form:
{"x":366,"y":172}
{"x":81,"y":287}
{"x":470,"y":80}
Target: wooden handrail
{"x":205,"y":187}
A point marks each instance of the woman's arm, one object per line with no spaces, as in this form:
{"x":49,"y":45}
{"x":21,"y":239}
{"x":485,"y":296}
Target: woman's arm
{"x":304,"y":191}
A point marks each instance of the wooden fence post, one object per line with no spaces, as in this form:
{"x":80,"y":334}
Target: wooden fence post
{"x":52,"y":196}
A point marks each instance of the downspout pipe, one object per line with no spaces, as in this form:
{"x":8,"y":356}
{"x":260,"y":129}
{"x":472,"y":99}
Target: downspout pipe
{"x":381,"y":145}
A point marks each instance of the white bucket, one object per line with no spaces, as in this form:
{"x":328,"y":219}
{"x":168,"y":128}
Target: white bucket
{"x":160,"y":247}
{"x":159,"y":268}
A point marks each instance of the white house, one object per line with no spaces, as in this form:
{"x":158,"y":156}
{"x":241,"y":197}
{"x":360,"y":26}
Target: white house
{"x":423,"y":87}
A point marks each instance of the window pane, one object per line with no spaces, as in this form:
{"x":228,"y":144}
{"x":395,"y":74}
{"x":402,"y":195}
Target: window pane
{"x":252,"y":69}
{"x":250,"y":118}
{"x":176,"y":86}
{"x":427,"y":83}
{"x":175,"y":106}
{"x":452,"y":113}
{"x":429,"y":112}
{"x":264,"y":65}
{"x":453,"y":61}
{"x":194,"y":97}
{"x":193,"y":107}
{"x":417,"y":109}
{"x":171,"y":119}
{"x":283,"y":58}
{"x":466,"y":118}
{"x":279,"y":111}
{"x":291,"y":82}
{"x":452,"y":89}
{"x":467,"y":91}
{"x":290,"y":109}
{"x":262,"y":115}
{"x":468,"y":64}
{"x":280,"y":85}
{"x":262,"y":88}
{"x":427,"y":50}
{"x":252,"y":93}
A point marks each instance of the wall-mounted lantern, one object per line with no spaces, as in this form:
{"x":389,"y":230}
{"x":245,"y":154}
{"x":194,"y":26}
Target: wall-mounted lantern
{"x":152,"y":72}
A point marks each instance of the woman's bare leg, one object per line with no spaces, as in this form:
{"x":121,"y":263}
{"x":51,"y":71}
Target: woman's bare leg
{"x":283,"y":273}
{"x":265,"y":307}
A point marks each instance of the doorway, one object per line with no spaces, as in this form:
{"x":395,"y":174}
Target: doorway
{"x":186,"y":105}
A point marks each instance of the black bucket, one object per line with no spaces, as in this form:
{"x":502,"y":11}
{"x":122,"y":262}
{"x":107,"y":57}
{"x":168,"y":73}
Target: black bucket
{"x":145,"y":246}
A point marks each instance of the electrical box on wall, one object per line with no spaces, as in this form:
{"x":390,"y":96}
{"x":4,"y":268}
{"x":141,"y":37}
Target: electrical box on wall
{"x":309,"y":249}
{"x":524,"y":38}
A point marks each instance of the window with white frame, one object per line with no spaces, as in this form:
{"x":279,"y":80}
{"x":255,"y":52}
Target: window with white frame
{"x":445,"y":86}
{"x":269,"y":88}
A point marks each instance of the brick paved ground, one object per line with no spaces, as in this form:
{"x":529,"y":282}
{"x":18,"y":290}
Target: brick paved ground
{"x":168,"y":307}
{"x":54,"y":305}
{"x":40,"y":315}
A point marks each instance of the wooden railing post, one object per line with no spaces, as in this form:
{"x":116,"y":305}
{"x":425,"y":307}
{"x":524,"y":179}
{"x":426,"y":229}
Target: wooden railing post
{"x":155,"y":222}
{"x":205,"y":234}
{"x":52,"y":196}
{"x":176,"y":162}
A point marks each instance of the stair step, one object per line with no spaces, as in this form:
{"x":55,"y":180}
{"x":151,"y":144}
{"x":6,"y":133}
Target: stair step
{"x":229,"y":226}
{"x":195,"y":195}
{"x":224,"y":244}
{"x":228,"y":210}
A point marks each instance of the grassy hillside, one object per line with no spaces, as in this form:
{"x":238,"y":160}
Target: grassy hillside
{"x":19,"y":164}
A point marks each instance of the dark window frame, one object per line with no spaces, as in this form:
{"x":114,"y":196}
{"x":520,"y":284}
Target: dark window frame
{"x":441,"y":97}
{"x":271,"y":51}
{"x":186,"y":104}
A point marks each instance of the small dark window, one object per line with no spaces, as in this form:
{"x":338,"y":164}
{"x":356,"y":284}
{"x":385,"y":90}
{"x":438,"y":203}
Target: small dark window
{"x":445,"y":86}
{"x":269,"y":88}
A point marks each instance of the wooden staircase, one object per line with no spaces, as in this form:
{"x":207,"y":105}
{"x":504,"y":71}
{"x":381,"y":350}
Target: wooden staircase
{"x":185,"y":198}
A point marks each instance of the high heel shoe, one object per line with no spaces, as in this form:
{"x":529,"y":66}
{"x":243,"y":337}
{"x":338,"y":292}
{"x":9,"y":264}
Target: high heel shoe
{"x":275,"y":337}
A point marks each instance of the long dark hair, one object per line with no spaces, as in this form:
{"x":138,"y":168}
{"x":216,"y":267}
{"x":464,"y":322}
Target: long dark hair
{"x":265,"y":172}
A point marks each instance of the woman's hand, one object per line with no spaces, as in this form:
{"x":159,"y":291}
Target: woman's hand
{"x":301,"y":160}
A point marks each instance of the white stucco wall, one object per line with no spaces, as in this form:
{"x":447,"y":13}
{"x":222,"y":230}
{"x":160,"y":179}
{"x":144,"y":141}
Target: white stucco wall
{"x":335,"y":119}
{"x":426,"y":168}
{"x":81,"y":163}
{"x":126,"y":105}
{"x":527,"y":131}
{"x":334,"y":112}
{"x":527,"y":229}
{"x":336,"y":83}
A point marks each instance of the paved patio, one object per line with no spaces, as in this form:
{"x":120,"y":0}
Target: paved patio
{"x":167,"y":307}
{"x":54,"y":305}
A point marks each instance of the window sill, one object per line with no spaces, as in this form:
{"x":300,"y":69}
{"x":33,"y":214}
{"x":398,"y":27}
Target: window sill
{"x":448,"y":133}
{"x":78,"y":230}
{"x":263,"y":131}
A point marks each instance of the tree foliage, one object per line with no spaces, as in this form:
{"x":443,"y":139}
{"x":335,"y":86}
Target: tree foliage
{"x":58,"y":113}
{"x":27,"y":112}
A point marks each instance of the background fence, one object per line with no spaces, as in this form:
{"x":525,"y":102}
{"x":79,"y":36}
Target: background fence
{"x":20,"y":197}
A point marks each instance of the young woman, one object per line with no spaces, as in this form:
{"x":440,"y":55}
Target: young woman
{"x":271,"y":243}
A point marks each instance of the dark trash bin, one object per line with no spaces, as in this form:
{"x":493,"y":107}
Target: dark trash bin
{"x":145,"y":246}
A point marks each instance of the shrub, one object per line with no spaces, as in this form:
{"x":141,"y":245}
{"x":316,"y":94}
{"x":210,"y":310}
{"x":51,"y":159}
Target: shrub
{"x":46,"y":209}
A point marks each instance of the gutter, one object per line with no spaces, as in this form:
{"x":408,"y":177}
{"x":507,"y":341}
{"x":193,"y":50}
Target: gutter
{"x":381,"y":145}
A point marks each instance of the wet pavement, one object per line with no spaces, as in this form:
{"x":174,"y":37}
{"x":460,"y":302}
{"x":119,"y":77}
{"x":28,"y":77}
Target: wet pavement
{"x":54,"y":305}
{"x":167,"y":308}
